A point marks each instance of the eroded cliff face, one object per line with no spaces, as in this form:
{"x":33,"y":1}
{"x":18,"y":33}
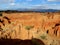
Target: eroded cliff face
{"x":30,"y":25}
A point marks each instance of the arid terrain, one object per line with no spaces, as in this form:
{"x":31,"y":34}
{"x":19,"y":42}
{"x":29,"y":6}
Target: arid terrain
{"x":28,"y":25}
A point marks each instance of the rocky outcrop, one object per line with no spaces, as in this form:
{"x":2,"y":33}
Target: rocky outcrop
{"x":30,"y":25}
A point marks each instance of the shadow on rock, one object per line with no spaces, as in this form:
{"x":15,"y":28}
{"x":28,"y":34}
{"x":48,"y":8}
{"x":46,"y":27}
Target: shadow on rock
{"x":21,"y":42}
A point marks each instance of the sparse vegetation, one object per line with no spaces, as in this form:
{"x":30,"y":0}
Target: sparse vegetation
{"x":29,"y":27}
{"x":43,"y":37}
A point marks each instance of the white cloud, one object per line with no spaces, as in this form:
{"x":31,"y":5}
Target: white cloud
{"x":46,"y":6}
{"x":12,"y":4}
{"x":6,"y":1}
{"x":51,"y":0}
{"x":36,"y":5}
{"x":54,"y":0}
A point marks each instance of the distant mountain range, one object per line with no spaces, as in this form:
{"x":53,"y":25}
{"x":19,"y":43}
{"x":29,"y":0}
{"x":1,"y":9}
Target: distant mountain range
{"x":39,"y":10}
{"x":34,"y":10}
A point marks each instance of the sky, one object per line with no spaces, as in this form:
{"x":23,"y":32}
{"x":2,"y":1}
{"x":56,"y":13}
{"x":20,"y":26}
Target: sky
{"x":29,"y":4}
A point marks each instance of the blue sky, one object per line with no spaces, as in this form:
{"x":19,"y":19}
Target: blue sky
{"x":31,"y":4}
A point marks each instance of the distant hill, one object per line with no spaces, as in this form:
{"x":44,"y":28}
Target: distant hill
{"x":31,"y":10}
{"x":39,"y":10}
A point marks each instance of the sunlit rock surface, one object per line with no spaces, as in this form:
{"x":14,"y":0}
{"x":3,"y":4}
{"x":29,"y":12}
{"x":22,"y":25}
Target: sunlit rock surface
{"x":44,"y":26}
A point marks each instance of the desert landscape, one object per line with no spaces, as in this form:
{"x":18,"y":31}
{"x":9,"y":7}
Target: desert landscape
{"x":27,"y":25}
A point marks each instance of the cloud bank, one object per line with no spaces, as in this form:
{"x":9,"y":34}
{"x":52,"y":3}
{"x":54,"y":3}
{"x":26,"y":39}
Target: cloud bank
{"x":6,"y":1}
